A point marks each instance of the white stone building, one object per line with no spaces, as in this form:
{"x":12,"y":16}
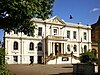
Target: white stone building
{"x":55,"y":42}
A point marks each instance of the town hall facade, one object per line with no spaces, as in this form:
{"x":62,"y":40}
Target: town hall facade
{"x":54,"y":42}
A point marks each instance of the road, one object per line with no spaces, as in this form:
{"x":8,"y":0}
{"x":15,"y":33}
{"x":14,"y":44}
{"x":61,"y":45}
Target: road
{"x":38,"y":69}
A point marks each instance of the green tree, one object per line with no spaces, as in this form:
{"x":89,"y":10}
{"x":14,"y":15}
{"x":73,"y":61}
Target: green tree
{"x":2,"y":56}
{"x":3,"y":68}
{"x":16,"y":14}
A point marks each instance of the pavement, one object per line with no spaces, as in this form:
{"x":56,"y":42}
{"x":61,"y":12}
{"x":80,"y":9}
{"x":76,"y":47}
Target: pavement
{"x":40,"y":69}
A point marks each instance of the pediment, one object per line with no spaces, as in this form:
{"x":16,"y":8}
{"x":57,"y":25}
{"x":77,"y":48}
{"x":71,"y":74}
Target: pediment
{"x":55,"y":20}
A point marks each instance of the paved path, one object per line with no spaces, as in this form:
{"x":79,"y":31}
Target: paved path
{"x":38,"y":69}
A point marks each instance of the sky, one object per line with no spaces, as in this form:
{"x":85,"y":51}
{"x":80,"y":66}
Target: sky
{"x":83,"y":11}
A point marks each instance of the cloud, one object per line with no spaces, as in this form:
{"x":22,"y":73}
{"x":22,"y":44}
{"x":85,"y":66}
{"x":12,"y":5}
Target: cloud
{"x":95,"y":9}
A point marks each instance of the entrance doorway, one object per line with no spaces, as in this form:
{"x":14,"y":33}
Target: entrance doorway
{"x":57,"y":48}
{"x":39,"y":59}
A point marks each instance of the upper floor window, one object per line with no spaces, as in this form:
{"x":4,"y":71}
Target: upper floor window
{"x":39,"y":46}
{"x":68,"y":47}
{"x":40,"y":31}
{"x":68,"y":34}
{"x":15,"y":45}
{"x":55,"y":31}
{"x":75,"y":48}
{"x":74,"y":34}
{"x":85,"y":37}
{"x":31,"y":46}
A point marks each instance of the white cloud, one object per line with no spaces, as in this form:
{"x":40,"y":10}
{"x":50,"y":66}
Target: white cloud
{"x":95,"y":9}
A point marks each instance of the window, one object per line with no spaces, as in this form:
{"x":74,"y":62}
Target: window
{"x":68,"y":47}
{"x":39,"y":46}
{"x":40,"y":31}
{"x":68,"y":34}
{"x":15,"y":58}
{"x":74,"y":34}
{"x":55,"y":31}
{"x":15,"y":45}
{"x":31,"y":46}
{"x":85,"y":36}
{"x":85,"y":48}
{"x":75,"y":48}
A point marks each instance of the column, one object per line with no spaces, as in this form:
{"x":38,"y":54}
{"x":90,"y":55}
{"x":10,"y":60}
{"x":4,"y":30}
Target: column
{"x":65,"y":48}
{"x":53,"y":47}
{"x":49,"y":48}
{"x":62,"y":48}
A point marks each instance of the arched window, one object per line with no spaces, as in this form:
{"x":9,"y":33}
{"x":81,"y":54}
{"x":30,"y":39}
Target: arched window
{"x":85,"y":48}
{"x":39,"y":46}
{"x":75,"y":48}
{"x":68,"y":47}
{"x":31,"y":46}
{"x":15,"y":45}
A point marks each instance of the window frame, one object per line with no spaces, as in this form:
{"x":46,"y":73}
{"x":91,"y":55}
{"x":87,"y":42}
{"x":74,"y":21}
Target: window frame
{"x":85,"y":36}
{"x":74,"y":34}
{"x":39,"y":31}
{"x":31,"y":46}
{"x":15,"y":45}
{"x":55,"y":31}
{"x":68,"y":34}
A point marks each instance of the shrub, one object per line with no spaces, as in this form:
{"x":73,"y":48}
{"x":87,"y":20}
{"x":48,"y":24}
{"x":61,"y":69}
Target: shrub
{"x":88,"y":57}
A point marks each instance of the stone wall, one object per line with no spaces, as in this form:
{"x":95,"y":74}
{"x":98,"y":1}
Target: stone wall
{"x":84,"y":69}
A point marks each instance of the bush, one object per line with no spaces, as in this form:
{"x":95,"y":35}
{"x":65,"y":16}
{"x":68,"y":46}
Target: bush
{"x":88,"y":57}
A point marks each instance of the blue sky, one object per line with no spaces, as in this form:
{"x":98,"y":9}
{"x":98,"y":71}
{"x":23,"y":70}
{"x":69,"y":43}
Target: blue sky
{"x":84,"y":11}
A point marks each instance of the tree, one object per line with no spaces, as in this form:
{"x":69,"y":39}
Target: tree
{"x":3,"y":68}
{"x":16,"y":14}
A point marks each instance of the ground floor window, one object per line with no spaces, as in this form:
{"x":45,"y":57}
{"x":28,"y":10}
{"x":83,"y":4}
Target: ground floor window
{"x":15,"y":58}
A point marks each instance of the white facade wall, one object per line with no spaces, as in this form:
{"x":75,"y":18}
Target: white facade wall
{"x":24,"y":53}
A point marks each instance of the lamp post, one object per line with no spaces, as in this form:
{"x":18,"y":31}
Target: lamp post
{"x":45,"y":44}
{"x":21,"y":48}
